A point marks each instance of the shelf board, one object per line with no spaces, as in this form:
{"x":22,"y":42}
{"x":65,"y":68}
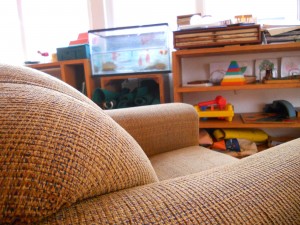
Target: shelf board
{"x":256,"y":86}
{"x":238,"y":123}
{"x":238,"y":49}
{"x":45,"y":65}
{"x":58,"y":63}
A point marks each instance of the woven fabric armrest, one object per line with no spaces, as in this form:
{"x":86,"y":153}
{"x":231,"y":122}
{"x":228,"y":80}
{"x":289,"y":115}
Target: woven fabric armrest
{"x":160,"y":128}
{"x":260,"y":189}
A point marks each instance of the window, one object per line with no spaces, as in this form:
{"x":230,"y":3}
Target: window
{"x":10,"y":44}
{"x":28,"y":26}
{"x":39,"y":25}
{"x":49,"y":24}
{"x":264,"y":10}
{"x":139,"y":12}
{"x":134,"y":12}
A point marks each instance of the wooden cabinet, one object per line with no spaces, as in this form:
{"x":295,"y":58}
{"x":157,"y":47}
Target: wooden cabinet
{"x":76,"y":73}
{"x":180,"y":89}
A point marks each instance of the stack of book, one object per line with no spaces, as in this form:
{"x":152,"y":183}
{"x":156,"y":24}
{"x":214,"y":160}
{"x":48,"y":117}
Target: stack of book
{"x":217,"y":36}
{"x":277,"y":34}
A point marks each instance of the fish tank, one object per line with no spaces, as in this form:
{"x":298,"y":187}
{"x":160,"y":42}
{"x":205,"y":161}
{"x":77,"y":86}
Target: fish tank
{"x":130,"y":50}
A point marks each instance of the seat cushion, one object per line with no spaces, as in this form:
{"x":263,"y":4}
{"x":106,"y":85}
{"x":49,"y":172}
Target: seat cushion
{"x":188,"y":160}
{"x":57,"y":147}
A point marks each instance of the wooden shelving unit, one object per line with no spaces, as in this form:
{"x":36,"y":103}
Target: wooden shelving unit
{"x":180,"y":89}
{"x":73,"y":72}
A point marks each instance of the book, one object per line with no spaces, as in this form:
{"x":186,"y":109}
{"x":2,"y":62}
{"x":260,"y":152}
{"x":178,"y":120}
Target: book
{"x":277,"y":30}
{"x":281,"y":34}
{"x":217,"y":36}
{"x":262,"y":117}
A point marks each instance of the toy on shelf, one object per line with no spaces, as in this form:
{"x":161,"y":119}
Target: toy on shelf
{"x":219,"y":101}
{"x":234,"y":75}
{"x":44,"y":56}
{"x":218,"y":108}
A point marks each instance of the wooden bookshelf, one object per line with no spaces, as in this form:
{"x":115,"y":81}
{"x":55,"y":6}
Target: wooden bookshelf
{"x":179,"y":89}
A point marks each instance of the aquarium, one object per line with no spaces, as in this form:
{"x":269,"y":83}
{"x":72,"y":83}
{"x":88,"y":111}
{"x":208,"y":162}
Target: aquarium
{"x":128,"y":50}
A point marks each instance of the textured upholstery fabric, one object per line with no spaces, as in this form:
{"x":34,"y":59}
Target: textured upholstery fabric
{"x":153,"y":127}
{"x":65,"y":161}
{"x":169,"y":134}
{"x":24,"y":75}
{"x":57,"y":148}
{"x":260,"y":189}
{"x":187,"y":161}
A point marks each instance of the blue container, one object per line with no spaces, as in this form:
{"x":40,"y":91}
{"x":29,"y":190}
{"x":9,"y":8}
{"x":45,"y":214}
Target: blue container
{"x":73,"y":52}
{"x":128,"y":50}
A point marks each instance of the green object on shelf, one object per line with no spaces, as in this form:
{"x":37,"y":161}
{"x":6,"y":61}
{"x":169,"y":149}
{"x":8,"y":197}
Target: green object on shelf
{"x":143,"y":100}
{"x":143,"y":97}
{"x":146,"y":94}
{"x":155,"y":101}
{"x":126,"y":100}
{"x":141,"y":91}
{"x":104,"y":98}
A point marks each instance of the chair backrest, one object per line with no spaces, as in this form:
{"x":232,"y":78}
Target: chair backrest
{"x":58,"y":147}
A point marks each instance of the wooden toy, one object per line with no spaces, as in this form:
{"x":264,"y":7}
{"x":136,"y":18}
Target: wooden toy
{"x":219,"y":101}
{"x":45,"y":54}
{"x":234,"y":75}
{"x":226,"y":113}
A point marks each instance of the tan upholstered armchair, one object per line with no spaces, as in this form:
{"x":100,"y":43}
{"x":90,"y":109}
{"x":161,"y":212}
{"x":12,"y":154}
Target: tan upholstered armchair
{"x":63,"y":160}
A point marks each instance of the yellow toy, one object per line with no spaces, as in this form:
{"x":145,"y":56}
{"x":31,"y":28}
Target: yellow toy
{"x":226,"y":113}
